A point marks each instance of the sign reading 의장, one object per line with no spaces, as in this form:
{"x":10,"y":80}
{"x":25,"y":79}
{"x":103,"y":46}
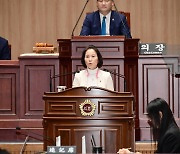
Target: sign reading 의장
{"x":152,"y":48}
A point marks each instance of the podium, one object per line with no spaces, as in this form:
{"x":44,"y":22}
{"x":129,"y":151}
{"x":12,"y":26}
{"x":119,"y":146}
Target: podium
{"x":81,"y":111}
{"x":120,"y":55}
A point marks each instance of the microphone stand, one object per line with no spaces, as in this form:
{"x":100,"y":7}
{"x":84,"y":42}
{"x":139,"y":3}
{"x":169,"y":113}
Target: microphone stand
{"x":19,"y":132}
{"x":93,"y":141}
{"x":59,"y":75}
{"x":79,"y":18}
{"x":127,"y":31}
{"x":122,"y":76}
{"x":24,"y":145}
{"x":119,"y":75}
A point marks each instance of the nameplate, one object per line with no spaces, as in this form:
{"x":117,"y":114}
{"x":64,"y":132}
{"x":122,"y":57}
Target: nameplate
{"x":152,"y":48}
{"x":61,"y":149}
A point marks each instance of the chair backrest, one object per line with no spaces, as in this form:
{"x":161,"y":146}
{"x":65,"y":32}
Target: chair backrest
{"x":10,"y":50}
{"x":127,"y":14}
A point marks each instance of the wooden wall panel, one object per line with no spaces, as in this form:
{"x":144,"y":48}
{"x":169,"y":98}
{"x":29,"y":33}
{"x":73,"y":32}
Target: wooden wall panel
{"x":49,"y":20}
{"x":9,"y":90}
{"x":156,"y":79}
{"x":35,"y":75}
{"x":8,"y":98}
{"x":22,"y":85}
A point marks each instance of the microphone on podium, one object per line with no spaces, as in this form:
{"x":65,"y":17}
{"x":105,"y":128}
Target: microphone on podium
{"x":79,"y":18}
{"x":93,"y":141}
{"x":60,"y":75}
{"x":119,"y":75}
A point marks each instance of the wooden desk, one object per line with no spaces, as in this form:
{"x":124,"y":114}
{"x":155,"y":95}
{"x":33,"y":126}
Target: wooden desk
{"x":22,"y":84}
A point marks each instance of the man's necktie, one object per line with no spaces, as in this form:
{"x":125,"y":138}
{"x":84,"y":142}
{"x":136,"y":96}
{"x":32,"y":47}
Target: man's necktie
{"x":103,"y":28}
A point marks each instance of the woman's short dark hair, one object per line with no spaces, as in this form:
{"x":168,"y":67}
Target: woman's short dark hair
{"x":100,"y":59}
{"x":161,"y":124}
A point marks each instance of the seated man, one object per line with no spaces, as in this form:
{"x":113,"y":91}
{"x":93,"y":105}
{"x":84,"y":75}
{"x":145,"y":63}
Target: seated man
{"x":115,"y":23}
{"x":4,"y":49}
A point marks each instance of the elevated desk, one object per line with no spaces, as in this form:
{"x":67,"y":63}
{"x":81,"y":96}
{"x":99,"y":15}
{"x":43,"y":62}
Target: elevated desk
{"x":22,"y":84}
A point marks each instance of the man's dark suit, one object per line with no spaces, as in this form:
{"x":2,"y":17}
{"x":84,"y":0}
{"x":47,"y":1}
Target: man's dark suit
{"x":118,"y":25}
{"x":170,"y":141}
{"x":4,"y":49}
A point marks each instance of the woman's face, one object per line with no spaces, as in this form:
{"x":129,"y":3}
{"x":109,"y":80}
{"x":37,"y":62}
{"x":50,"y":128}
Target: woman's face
{"x":91,"y":59}
{"x":152,"y":122}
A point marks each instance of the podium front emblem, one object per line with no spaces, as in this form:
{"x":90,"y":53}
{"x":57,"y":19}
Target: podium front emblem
{"x":87,"y":108}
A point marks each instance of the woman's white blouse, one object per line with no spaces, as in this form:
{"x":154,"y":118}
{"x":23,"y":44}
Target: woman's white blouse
{"x":94,"y":77}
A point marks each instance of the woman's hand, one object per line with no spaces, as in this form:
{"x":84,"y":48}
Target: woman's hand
{"x":126,"y":151}
{"x":123,"y":151}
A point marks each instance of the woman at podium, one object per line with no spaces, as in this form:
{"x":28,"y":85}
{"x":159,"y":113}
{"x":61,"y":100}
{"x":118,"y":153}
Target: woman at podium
{"x":92,"y":61}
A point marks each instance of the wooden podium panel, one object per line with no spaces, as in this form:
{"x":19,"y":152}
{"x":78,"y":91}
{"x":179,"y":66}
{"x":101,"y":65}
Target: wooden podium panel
{"x":112,"y":122}
{"x":109,"y":46}
{"x":9,"y":89}
{"x":35,"y":79}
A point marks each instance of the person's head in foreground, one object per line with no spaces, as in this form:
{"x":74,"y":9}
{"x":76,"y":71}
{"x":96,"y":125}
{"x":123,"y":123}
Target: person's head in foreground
{"x":163,"y":125}
{"x":164,"y":130}
{"x":91,"y":58}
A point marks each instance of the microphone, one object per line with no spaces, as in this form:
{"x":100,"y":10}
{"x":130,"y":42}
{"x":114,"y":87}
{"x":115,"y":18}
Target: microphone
{"x":119,"y":75}
{"x":79,"y":18}
{"x":93,"y":141}
{"x":59,"y":75}
{"x":127,"y":30}
{"x":24,"y":145}
{"x":27,"y":134}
